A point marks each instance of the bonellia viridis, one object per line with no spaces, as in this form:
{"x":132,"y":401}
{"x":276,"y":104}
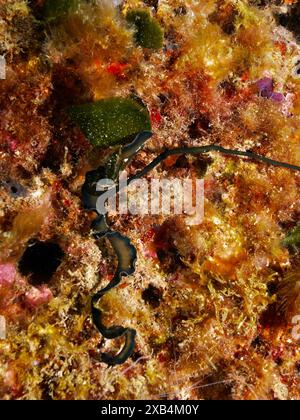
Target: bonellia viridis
{"x":124,"y":249}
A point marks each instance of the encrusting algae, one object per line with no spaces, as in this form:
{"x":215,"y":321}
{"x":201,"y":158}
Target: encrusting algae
{"x":213,"y":304}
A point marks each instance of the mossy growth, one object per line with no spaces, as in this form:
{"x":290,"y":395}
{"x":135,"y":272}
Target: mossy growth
{"x":54,"y":9}
{"x":110,"y":121}
{"x":149,"y":33}
{"x":292,"y":239}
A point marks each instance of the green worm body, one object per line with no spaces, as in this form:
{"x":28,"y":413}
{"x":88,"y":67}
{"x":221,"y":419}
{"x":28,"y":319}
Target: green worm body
{"x":125,"y":251}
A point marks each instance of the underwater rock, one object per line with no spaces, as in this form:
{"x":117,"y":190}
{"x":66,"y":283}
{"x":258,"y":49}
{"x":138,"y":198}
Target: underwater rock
{"x":221,"y":82}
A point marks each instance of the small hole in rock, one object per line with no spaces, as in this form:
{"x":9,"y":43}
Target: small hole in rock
{"x":152,"y":3}
{"x":152,"y":296}
{"x":14,"y":189}
{"x":40,"y":261}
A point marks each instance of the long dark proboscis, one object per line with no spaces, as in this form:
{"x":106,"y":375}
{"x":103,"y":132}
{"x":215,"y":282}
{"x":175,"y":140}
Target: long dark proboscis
{"x":211,"y":148}
{"x":125,"y":251}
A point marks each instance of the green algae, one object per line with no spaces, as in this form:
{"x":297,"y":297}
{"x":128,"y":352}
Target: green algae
{"x":292,"y":239}
{"x":110,"y":121}
{"x":54,"y":9}
{"x":149,"y":33}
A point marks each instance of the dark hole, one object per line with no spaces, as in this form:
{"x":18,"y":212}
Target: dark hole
{"x":46,"y":391}
{"x":216,"y":387}
{"x":163,"y":98}
{"x":264,"y":3}
{"x":136,"y":355}
{"x":68,"y":86}
{"x":152,"y":3}
{"x":36,"y":9}
{"x":200,"y":127}
{"x":202,"y":164}
{"x":229,"y":88}
{"x":40,"y":261}
{"x":181,"y":10}
{"x":260,"y":346}
{"x":272,"y":288}
{"x":290,"y":20}
{"x":272,"y":317}
{"x":152,"y":296}
{"x":14,"y":189}
{"x":182,"y":162}
{"x":257,"y":342}
{"x":170,"y":259}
